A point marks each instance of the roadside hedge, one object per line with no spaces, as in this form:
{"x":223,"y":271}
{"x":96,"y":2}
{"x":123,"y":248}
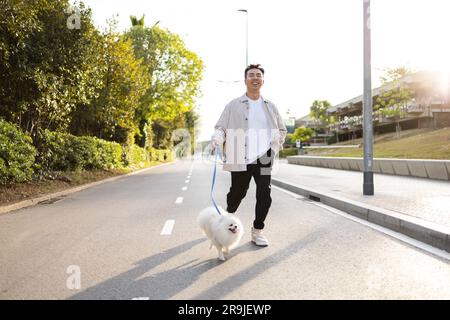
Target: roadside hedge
{"x":65,"y":152}
{"x":133,"y":156}
{"x":21,"y":157}
{"x":160,"y":154}
{"x":17,"y":154}
{"x":288,"y":152}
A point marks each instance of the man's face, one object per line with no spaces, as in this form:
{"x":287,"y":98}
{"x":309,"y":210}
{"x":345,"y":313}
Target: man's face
{"x":254,"y":79}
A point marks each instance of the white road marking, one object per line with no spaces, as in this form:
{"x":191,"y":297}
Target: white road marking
{"x":184,"y":188}
{"x":168,"y":227}
{"x":141,"y":298}
{"x":399,"y":236}
{"x":179,"y":200}
{"x":186,"y":181}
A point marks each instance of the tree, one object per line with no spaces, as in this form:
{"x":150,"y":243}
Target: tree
{"x":303,"y":134}
{"x":175,"y":74}
{"x":351,"y":124}
{"x":142,"y":84}
{"x":318,"y":113}
{"x":392,"y":101}
{"x":136,"y":22}
{"x":18,"y":20}
{"x":45,"y":65}
{"x":111,"y":115}
{"x":191,"y":120}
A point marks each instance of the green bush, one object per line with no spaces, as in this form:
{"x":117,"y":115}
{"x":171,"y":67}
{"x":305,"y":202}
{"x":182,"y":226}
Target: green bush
{"x":51,"y":151}
{"x":17,"y":154}
{"x":167,"y":155}
{"x":65,"y":152}
{"x":160,"y":155}
{"x":82,"y":154}
{"x":55,"y":151}
{"x":288,"y":152}
{"x":331,"y":140}
{"x":133,"y":155}
{"x":110,"y":153}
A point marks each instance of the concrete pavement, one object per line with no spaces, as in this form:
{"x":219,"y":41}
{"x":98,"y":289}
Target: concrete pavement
{"x":416,"y":207}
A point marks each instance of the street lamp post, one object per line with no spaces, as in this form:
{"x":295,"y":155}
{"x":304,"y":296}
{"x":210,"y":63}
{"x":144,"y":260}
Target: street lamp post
{"x":246,"y":37}
{"x":368,"y":188}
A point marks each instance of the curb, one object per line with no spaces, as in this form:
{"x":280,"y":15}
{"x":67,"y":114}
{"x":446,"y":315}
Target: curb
{"x":419,"y":168}
{"x":430,"y":233}
{"x":35,"y":201}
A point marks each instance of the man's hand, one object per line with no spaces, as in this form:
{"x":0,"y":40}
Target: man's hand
{"x":276,"y":136}
{"x":215,"y":143}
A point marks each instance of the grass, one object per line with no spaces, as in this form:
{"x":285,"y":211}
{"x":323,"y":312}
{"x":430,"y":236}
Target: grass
{"x":59,"y":181}
{"x":412,"y":144}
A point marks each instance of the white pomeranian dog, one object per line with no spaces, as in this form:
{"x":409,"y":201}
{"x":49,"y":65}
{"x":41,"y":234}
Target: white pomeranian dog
{"x":224,"y":230}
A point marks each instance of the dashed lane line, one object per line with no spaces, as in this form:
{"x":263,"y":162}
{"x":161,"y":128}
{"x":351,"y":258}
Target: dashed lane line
{"x":168,"y":227}
{"x":179,"y":200}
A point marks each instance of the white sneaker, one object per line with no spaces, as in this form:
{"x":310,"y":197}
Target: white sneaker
{"x":258,"y":238}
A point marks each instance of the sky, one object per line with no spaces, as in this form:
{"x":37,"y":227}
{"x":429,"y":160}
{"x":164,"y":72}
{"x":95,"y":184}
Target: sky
{"x":310,"y":49}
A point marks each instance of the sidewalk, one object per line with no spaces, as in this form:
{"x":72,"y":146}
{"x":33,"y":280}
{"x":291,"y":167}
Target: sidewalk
{"x":417,"y":207}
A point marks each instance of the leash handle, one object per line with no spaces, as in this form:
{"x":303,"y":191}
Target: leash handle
{"x":214,"y":181}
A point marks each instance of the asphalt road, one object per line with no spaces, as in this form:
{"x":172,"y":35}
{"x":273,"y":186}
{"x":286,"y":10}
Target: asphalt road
{"x":105,"y":243}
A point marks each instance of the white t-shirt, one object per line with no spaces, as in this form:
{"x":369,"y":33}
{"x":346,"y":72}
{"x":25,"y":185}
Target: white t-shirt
{"x":258,"y":130}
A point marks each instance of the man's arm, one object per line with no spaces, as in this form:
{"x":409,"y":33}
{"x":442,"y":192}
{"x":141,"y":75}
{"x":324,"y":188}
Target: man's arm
{"x":219,"y":135}
{"x":281,"y":126}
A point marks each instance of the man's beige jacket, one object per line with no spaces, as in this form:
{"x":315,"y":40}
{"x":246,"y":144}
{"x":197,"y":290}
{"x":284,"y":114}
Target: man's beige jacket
{"x":232,"y":132}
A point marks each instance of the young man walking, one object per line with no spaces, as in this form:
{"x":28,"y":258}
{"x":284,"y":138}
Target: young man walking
{"x":252,"y":132}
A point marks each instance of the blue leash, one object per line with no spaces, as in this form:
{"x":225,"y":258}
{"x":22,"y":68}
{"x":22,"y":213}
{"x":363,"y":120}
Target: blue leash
{"x":214,"y":181}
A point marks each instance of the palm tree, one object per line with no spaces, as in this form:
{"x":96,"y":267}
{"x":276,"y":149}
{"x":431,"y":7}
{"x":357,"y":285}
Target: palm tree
{"x":136,"y":22}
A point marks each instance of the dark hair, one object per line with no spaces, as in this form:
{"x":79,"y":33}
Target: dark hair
{"x":253,"y":66}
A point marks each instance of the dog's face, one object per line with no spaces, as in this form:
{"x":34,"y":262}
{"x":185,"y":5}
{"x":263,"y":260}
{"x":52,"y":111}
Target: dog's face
{"x":232,"y":224}
{"x":233,"y":227}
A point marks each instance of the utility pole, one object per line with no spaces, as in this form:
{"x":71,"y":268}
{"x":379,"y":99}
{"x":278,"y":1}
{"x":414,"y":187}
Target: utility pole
{"x":368,"y":188}
{"x":246,"y":36}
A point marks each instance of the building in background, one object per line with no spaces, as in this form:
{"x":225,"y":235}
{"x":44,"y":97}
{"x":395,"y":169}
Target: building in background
{"x":428,"y":108}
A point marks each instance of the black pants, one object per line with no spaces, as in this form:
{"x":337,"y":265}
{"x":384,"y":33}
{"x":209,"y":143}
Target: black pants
{"x":260,"y":171}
